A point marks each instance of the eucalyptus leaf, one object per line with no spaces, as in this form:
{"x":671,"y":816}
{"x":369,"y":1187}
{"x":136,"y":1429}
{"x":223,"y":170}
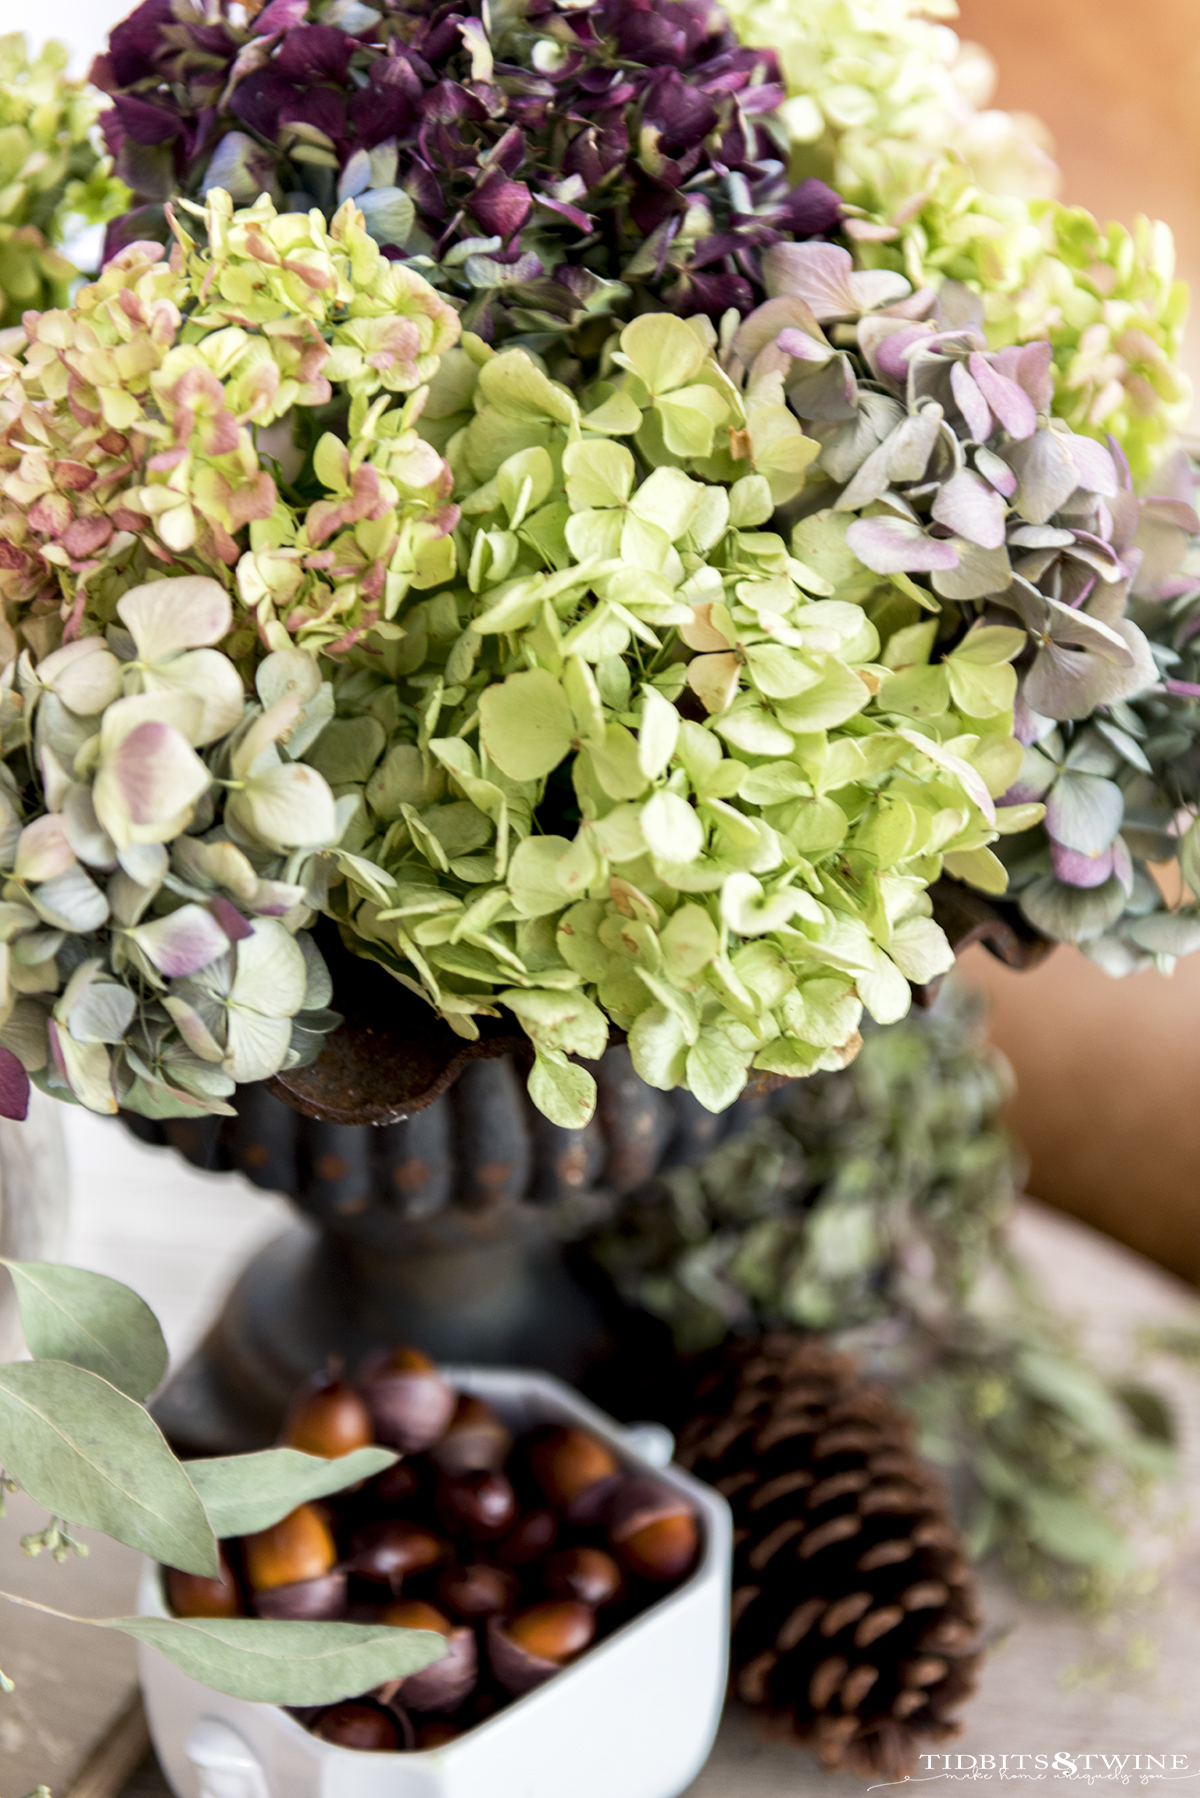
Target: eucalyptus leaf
{"x":246,"y":1493}
{"x":268,"y":1662}
{"x":93,"y":1456}
{"x":71,"y":1314}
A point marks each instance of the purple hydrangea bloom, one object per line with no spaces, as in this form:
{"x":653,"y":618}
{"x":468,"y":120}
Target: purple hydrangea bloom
{"x":628,"y":137}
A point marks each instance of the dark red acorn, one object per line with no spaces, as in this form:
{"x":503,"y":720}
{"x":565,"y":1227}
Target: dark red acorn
{"x":585,"y":1574}
{"x":409,"y":1400}
{"x":396,"y":1485}
{"x":444,"y":1684}
{"x":654,"y":1531}
{"x":568,"y":1464}
{"x":476,"y":1591}
{"x":480,"y":1505}
{"x":354,"y":1724}
{"x":531,"y":1537}
{"x":531,"y":1648}
{"x":392,"y":1548}
{"x":474,"y":1439}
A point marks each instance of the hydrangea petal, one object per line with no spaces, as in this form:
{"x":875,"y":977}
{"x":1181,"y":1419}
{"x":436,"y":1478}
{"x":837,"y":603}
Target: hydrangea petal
{"x":165,"y":617}
{"x":895,"y":546}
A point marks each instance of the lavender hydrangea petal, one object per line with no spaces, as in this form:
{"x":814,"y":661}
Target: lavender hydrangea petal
{"x":894,"y":546}
{"x":966,"y":505}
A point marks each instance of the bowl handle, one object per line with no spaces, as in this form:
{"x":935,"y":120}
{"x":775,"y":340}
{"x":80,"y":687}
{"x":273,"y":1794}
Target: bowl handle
{"x":226,"y":1767}
{"x":652,"y":1442}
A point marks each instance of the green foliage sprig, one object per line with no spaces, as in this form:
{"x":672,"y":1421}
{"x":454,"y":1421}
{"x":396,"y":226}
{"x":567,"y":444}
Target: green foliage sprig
{"x":84,"y":1446}
{"x":872,"y":1205}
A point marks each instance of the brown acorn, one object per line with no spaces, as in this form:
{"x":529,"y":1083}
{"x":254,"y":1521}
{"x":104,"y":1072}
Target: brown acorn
{"x":475,"y":1438}
{"x":355,"y":1724}
{"x":654,"y":1531}
{"x":476,"y":1591}
{"x":191,"y":1595}
{"x":531,"y":1648}
{"x":327,"y":1417}
{"x":414,"y":1613}
{"x":391,"y":1548}
{"x":587,"y":1575}
{"x":307,"y":1601}
{"x":570,"y":1465}
{"x":531,"y":1537}
{"x":299,"y":1547}
{"x":444,"y":1684}
{"x":409,"y":1400}
{"x":291,"y":1568}
{"x":396,"y":1485}
{"x":436,"y":1734}
{"x":481,"y":1505}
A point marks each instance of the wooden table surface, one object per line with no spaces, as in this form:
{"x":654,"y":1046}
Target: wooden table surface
{"x":1052,"y":1683}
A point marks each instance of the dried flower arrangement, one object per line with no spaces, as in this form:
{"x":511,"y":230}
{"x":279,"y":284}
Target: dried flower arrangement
{"x":489,"y":403}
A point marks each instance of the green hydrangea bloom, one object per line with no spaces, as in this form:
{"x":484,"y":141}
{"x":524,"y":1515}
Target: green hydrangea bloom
{"x":885,"y":105}
{"x":889,"y":79}
{"x":631,"y":765}
{"x":49,"y":172}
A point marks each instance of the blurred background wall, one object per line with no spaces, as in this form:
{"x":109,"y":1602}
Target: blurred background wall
{"x":1116,"y":81}
{"x":1108,"y":1102}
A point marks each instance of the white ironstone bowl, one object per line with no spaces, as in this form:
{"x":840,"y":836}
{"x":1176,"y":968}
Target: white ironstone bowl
{"x":634,"y":1717}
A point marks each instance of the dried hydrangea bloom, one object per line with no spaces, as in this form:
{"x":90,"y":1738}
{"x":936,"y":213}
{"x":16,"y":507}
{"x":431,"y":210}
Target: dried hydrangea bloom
{"x":1105,"y":297}
{"x":163,"y":846}
{"x":536,"y":156}
{"x":640,"y":766}
{"x":134,"y":430}
{"x":875,"y":85}
{"x":967,"y":479}
{"x":1122,"y":787}
{"x":49,"y":174}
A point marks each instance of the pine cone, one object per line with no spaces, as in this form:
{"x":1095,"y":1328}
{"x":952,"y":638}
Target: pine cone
{"x":855,"y":1614}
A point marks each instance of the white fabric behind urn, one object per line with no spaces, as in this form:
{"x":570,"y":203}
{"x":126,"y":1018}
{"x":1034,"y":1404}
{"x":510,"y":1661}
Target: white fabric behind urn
{"x":33,"y":1200}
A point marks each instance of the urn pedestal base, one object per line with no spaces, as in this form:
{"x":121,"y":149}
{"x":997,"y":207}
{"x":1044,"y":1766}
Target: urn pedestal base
{"x":490,"y":1290}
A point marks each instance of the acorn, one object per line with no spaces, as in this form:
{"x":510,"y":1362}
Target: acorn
{"x":391,"y":1548}
{"x":299,"y":1547}
{"x":290,"y":1569}
{"x":398,"y":1484}
{"x":532,"y":1647}
{"x":436,"y":1734}
{"x":414,"y":1613}
{"x":475,"y":1438}
{"x":327,"y":1417}
{"x":409,"y":1401}
{"x":587,"y":1575}
{"x":575,"y":1470}
{"x":654,"y":1532}
{"x":481,"y":1505}
{"x":476,"y":1591}
{"x":307,"y":1601}
{"x":531,"y":1537}
{"x":355,"y":1724}
{"x":191,"y":1595}
{"x":444,"y":1684}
